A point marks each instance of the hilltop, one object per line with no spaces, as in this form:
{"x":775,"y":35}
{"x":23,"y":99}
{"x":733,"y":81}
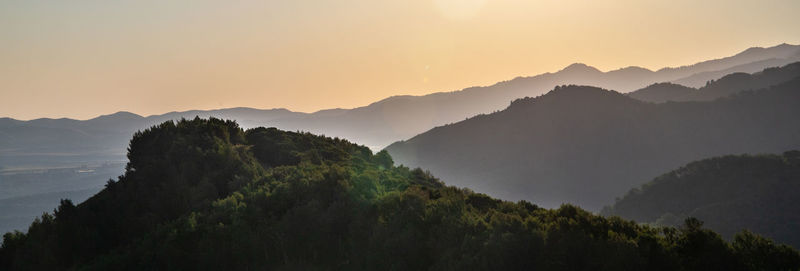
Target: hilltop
{"x":207,"y":195}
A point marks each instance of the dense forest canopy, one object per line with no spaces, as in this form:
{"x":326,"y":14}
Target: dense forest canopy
{"x":206,"y":195}
{"x":730,"y":193}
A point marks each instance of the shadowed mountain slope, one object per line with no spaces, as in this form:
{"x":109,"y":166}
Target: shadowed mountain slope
{"x":662,"y":92}
{"x":714,"y":89}
{"x":701,"y":79}
{"x":749,"y":61}
{"x":587,"y":145}
{"x":729,"y":193}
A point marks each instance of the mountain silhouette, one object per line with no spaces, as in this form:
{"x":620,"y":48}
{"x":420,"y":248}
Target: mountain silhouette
{"x":586,"y":145}
{"x":662,"y":92}
{"x":700,"y":79}
{"x":27,"y":143}
{"x":751,"y":58}
{"x":714,"y":89}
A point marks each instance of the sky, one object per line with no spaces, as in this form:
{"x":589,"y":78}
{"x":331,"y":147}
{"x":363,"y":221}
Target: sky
{"x":80,"y":59}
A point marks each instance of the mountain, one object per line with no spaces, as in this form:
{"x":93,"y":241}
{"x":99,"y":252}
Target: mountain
{"x":206,"y":195}
{"x":729,"y":193}
{"x":700,"y":79}
{"x":401,"y":117}
{"x":66,"y":144}
{"x":662,"y":92}
{"x":60,"y":142}
{"x":714,"y":89}
{"x":750,"y":60}
{"x":586,"y":145}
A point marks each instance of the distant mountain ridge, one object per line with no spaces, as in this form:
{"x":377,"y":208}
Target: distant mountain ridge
{"x":700,"y":79}
{"x":585,"y":145}
{"x":714,"y":89}
{"x":67,"y":142}
{"x":377,"y":125}
{"x":751,"y":55}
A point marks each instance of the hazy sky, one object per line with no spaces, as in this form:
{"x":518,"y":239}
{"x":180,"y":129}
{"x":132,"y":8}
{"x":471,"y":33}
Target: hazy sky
{"x":80,"y":59}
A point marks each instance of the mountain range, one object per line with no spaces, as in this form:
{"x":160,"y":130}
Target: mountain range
{"x":586,"y":145}
{"x":68,"y":142}
{"x":203,"y":193}
{"x":714,"y":89}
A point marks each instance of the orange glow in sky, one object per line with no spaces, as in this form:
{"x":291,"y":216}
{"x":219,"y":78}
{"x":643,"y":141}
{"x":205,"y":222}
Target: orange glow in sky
{"x":81,"y":59}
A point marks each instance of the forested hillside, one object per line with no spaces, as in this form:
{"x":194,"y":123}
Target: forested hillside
{"x":729,"y":193}
{"x":207,"y":195}
{"x":584,"y":145}
{"x":662,"y":92}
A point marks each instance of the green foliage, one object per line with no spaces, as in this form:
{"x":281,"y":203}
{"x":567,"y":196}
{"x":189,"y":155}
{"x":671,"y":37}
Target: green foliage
{"x":205,"y":195}
{"x":759,"y":253}
{"x":729,"y":193}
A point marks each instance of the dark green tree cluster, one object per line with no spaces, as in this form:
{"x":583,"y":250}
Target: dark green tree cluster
{"x":206,"y":195}
{"x":730,"y":193}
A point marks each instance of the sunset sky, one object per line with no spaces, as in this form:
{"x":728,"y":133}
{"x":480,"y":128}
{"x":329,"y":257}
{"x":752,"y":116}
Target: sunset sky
{"x":81,"y":59}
